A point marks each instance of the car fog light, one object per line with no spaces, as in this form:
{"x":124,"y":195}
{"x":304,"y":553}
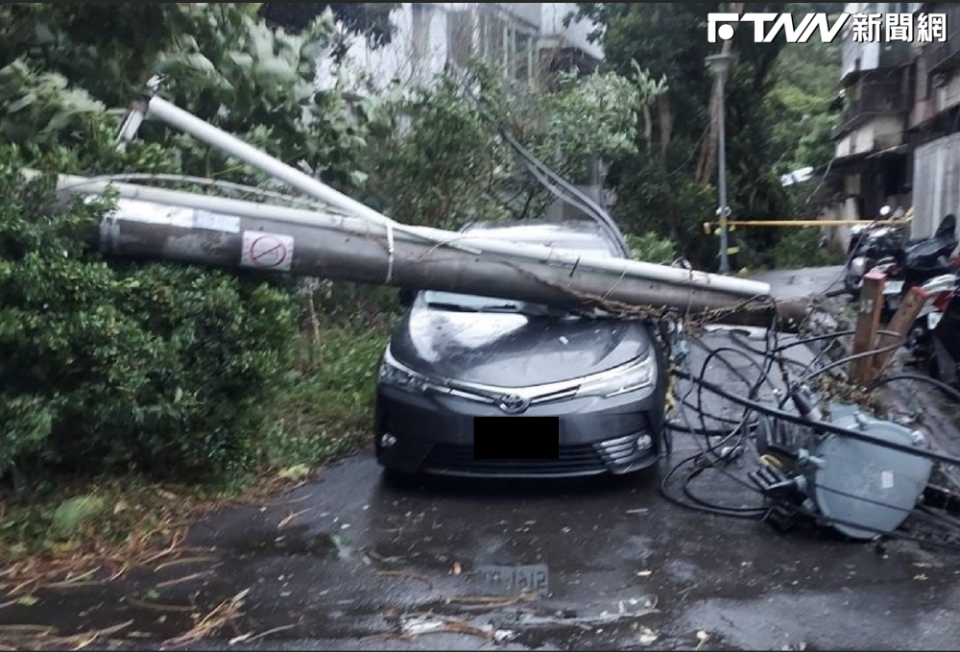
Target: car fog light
{"x":644,"y":442}
{"x":388,"y":441}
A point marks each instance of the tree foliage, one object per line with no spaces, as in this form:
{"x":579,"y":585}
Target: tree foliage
{"x":806,"y":89}
{"x":107,"y":365}
{"x":670,"y":188}
{"x":368,"y":19}
{"x":445,"y":162}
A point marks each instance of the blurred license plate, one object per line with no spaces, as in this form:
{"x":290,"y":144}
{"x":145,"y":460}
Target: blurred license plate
{"x":893,"y":287}
{"x":513,"y":580}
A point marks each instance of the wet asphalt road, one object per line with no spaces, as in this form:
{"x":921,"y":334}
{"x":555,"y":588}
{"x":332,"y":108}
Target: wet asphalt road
{"x":342,"y":562}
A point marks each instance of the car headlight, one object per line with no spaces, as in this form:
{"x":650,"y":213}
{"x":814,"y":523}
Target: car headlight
{"x":396,"y":375}
{"x":623,"y":380}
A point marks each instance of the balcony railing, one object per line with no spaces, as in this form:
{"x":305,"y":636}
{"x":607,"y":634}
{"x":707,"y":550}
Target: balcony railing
{"x":872,"y":99}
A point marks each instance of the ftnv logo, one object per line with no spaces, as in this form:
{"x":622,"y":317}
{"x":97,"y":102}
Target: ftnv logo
{"x":865,"y":28}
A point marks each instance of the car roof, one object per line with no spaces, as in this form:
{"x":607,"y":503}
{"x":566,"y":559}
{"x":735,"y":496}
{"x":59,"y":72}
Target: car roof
{"x":577,"y":235}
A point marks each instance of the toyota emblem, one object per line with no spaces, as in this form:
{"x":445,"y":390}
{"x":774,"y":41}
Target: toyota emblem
{"x":513,"y":404}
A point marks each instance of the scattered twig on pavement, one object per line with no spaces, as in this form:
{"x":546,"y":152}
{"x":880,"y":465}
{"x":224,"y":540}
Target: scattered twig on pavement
{"x":35,"y":637}
{"x":224,"y":614}
{"x":154,"y":606}
{"x":249,"y":638}
{"x":292,"y":515}
{"x":605,"y":618}
{"x":184,"y":580}
{"x":94,"y":569}
{"x":407,"y":576}
{"x":185,"y":560}
{"x":420,"y":625}
{"x":377,"y":557}
{"x":481,"y":603}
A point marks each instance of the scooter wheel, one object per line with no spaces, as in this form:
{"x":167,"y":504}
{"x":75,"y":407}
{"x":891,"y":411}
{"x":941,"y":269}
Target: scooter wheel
{"x":852,"y":288}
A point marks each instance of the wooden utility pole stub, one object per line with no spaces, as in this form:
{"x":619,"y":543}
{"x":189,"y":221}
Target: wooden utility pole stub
{"x":901,"y":324}
{"x":868,"y":323}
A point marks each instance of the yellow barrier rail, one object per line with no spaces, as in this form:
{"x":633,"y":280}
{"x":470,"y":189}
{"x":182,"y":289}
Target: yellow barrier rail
{"x":709,"y":226}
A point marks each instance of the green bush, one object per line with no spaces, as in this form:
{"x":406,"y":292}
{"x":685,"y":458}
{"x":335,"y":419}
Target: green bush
{"x":112,"y":367}
{"x":651,"y":248}
{"x":801,"y":249}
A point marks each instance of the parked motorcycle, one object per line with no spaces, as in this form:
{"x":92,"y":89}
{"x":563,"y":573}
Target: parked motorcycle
{"x":943,"y":361}
{"x":920,"y":339}
{"x":917,"y":262}
{"x":869,"y":244}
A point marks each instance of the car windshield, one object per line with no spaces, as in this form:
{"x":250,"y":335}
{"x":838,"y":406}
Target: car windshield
{"x":469,"y":303}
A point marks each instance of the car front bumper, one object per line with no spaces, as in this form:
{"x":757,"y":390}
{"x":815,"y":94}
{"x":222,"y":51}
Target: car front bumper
{"x":433,"y":434}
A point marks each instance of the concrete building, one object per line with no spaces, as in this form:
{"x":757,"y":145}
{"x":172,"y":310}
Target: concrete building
{"x":522,"y":39}
{"x":872,"y":156}
{"x":934,"y":123}
{"x":897,"y":142}
{"x":519,"y":37}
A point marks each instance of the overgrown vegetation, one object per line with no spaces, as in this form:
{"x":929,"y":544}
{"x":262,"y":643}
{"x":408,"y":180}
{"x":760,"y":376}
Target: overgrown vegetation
{"x":777,"y":116}
{"x":174,"y":374}
{"x":154,"y":373}
{"x":135,"y":369}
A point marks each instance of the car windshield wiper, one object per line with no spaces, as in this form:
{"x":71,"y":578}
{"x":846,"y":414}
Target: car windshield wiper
{"x":505,"y":307}
{"x":530,"y":310}
{"x":452,"y":307}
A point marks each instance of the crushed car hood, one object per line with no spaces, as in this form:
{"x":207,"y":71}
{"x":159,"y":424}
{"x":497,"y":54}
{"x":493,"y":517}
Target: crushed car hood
{"x":514,"y":350}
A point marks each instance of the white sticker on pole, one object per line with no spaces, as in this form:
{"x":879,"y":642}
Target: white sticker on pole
{"x":268,"y":251}
{"x":216,"y":221}
{"x":135,"y":210}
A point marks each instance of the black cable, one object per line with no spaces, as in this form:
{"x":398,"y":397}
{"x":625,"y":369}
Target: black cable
{"x":850,"y":358}
{"x":824,"y":427}
{"x":715,"y":460}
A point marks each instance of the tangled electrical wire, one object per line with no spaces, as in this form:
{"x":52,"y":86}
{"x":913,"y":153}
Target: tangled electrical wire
{"x":725,"y":441}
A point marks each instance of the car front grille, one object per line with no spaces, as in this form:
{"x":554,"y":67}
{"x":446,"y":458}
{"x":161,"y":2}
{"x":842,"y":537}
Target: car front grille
{"x":582,"y":459}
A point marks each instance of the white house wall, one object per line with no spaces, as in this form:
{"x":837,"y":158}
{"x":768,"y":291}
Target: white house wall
{"x":875,"y":135}
{"x":936,"y":184}
{"x":403,"y":59}
{"x":419,"y":49}
{"x":577,"y":35}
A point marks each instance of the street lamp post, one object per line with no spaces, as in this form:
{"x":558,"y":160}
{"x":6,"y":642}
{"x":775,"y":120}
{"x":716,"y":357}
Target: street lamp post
{"x":720,"y":64}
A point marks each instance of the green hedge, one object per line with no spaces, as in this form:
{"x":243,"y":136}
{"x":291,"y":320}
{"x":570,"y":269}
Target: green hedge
{"x":108,"y":367}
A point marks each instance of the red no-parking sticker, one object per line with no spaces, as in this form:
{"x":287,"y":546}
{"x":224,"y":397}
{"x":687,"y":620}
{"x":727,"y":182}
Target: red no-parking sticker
{"x":268,"y":251}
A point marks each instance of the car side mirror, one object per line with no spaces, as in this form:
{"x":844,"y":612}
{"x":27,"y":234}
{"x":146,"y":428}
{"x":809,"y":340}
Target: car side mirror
{"x":407,"y":297}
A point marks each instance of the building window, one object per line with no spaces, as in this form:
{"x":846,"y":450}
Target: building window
{"x":459,"y":37}
{"x":523,"y":55}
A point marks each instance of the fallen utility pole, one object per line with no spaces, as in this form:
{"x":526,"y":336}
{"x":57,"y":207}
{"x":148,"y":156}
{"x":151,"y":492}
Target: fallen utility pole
{"x":367,"y":247}
{"x":192,"y":228}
